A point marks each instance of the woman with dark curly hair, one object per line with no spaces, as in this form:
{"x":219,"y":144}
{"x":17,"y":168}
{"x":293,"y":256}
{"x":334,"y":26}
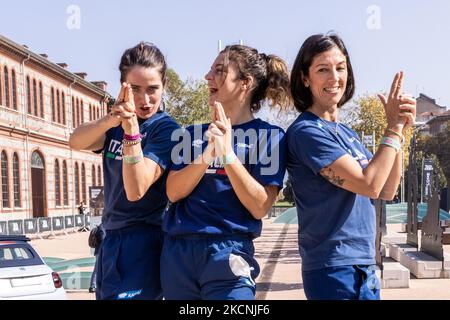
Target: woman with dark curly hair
{"x":232,"y":172}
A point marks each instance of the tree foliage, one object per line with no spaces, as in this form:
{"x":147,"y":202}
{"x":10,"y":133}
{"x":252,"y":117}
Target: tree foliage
{"x":370,"y":117}
{"x":439,"y":147}
{"x":288,"y":192}
{"x":187,"y":101}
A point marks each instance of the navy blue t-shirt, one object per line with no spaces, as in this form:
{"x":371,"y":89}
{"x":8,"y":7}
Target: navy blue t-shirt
{"x":336,"y":227}
{"x":156,"y":145}
{"x":213,"y":207}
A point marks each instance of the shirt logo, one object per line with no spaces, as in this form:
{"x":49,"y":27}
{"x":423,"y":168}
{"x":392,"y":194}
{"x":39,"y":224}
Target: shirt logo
{"x":114,"y":150}
{"x":244,"y":145}
{"x":128,"y":295}
{"x":197,"y":143}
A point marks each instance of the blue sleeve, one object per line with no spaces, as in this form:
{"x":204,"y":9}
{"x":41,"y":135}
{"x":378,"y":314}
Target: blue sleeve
{"x":367,"y":153}
{"x":315,"y":147}
{"x":159,"y":143}
{"x":271,"y":165}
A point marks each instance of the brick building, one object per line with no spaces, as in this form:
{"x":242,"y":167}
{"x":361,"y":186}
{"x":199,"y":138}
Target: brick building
{"x":427,"y":108}
{"x":40,"y":104}
{"x":438,"y":123}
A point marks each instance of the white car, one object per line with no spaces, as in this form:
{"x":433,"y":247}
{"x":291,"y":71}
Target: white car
{"x":23,"y":274}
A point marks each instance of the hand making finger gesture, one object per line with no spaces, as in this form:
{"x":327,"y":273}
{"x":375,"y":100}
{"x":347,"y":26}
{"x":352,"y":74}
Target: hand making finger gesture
{"x":125,"y":108}
{"x":223,"y":143}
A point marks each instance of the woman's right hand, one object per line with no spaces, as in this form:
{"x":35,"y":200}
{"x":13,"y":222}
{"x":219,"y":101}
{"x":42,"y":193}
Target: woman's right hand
{"x":113,"y":120}
{"x":392,"y":104}
{"x":209,"y":154}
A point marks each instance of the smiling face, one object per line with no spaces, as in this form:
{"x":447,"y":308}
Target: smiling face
{"x":327,"y":78}
{"x":223,"y":83}
{"x":147,"y":88}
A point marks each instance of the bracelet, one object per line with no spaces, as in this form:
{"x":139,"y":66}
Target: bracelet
{"x":133,"y":159}
{"x":229,"y":158}
{"x":133,"y":137}
{"x":390,"y":142}
{"x":401,"y":136}
{"x":128,"y":143}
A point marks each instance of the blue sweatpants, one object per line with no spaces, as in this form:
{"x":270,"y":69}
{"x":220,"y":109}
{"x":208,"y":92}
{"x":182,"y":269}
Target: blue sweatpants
{"x":128,"y":264}
{"x":208,"y":268}
{"x":355,"y":282}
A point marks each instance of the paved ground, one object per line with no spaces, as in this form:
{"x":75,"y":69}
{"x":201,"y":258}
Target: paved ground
{"x":276,"y":251}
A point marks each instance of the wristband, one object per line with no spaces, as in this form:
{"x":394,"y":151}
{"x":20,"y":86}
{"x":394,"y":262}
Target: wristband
{"x":390,"y":142}
{"x":127,"y":143}
{"x":133,"y":159}
{"x":401,"y":136}
{"x":229,"y":158}
{"x":132,"y":137}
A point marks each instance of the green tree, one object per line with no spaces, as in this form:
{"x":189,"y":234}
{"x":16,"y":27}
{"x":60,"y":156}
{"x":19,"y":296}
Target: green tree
{"x":439,"y":147}
{"x":288,"y":192}
{"x":187,"y":101}
{"x":370,"y":117}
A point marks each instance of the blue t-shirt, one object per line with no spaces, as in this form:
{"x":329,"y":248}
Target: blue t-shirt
{"x":213,"y":207}
{"x":336,"y":227}
{"x":156,"y":145}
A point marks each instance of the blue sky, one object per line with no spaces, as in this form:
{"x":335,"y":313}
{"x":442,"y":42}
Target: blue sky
{"x":409,"y":35}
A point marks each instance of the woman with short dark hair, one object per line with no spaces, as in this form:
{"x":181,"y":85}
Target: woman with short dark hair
{"x":334,"y":177}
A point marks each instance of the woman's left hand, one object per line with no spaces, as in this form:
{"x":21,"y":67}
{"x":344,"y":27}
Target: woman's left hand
{"x":125,"y":108}
{"x":223,"y":143}
{"x":408,"y":110}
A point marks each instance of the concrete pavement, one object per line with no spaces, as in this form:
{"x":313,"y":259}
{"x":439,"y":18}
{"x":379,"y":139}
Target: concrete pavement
{"x":277,"y":253}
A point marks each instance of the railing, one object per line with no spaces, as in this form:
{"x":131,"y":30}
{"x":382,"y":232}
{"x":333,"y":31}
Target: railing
{"x":46,"y":226}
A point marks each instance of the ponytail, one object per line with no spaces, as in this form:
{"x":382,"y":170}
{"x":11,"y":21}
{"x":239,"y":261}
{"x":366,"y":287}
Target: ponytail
{"x":277,"y":92}
{"x":269,"y":72}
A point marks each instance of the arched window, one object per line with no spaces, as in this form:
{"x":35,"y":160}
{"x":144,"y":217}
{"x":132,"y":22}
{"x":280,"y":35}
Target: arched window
{"x":93,"y":175}
{"x":57,"y":184}
{"x":83,"y":183}
{"x":74,"y":118}
{"x":1,"y":87}
{"x":81,"y":112}
{"x":58,"y":108}
{"x":41,"y":99}
{"x":35,"y":99}
{"x":16,"y":180}
{"x":78,"y":112}
{"x":7,"y":100}
{"x":30,"y":107}
{"x":52,"y":102}
{"x":63,"y":108}
{"x":5,"y":180}
{"x":14,"y":89}
{"x":98,"y":112}
{"x":37,"y":160}
{"x":65,"y":184}
{"x":77,"y":184}
{"x":99,"y":176}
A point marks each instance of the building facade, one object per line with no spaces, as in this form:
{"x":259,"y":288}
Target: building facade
{"x":40,"y":104}
{"x":427,"y":108}
{"x":438,"y":123}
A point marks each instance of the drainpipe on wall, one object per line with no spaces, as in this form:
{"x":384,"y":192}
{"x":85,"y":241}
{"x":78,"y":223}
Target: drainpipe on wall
{"x":71,"y":152}
{"x":27,"y":193}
